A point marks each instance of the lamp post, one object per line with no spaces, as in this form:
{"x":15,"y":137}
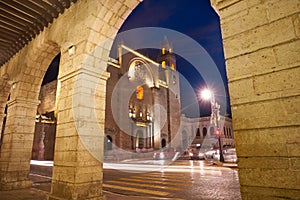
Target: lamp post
{"x":215,"y":116}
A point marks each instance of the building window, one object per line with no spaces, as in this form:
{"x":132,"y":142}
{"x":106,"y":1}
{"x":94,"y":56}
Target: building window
{"x":163,"y":64}
{"x":173,"y":66}
{"x":204,"y":130}
{"x":163,"y":143}
{"x":198,"y":132}
{"x":139,"y":92}
{"x":163,"y":51}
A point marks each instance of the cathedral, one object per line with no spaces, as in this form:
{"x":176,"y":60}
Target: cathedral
{"x":143,"y":100}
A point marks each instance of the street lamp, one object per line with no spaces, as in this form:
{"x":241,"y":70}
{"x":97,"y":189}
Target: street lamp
{"x":215,"y":116}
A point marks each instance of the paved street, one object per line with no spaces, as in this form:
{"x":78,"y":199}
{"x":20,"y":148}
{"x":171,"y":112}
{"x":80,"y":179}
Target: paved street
{"x":145,"y":180}
{"x":193,"y":180}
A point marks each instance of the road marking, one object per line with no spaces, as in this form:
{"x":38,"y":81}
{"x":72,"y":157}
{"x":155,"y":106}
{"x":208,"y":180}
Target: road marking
{"x":145,"y":191}
{"x":144,"y":185}
{"x":141,"y":180}
{"x":165,"y":175}
{"x":159,"y":179}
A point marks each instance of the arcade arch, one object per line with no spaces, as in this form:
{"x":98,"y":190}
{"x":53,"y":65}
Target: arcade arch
{"x":267,"y":47}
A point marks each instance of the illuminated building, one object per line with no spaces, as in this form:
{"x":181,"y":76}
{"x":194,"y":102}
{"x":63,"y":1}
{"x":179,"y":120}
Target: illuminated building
{"x":151,"y":115}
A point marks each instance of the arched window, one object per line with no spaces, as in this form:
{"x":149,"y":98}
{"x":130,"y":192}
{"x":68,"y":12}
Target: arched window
{"x":224,"y":131}
{"x":163,"y":143}
{"x":198,"y":132}
{"x":204,"y":131}
{"x":139,"y":92}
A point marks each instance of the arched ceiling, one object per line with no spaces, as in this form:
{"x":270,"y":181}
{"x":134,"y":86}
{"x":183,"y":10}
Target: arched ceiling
{"x":22,"y":20}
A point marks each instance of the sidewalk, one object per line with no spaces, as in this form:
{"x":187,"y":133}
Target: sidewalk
{"x":226,"y":164}
{"x":36,"y":194}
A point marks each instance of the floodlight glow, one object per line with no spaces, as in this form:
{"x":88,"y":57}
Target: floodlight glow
{"x":206,"y":94}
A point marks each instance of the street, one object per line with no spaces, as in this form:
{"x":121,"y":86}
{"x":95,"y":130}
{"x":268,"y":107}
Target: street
{"x":193,"y":180}
{"x":156,"y":179}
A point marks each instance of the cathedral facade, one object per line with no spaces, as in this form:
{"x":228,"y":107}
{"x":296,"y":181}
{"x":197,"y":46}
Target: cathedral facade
{"x":143,"y":101}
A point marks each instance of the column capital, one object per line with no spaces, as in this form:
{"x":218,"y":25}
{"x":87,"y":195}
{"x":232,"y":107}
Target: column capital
{"x":23,"y":101}
{"x":104,"y":75}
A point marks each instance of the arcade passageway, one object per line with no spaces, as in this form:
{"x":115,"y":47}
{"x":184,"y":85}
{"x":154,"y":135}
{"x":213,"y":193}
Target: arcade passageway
{"x":261,"y":41}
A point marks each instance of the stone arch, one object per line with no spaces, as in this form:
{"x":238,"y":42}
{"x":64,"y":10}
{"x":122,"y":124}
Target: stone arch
{"x":149,"y":70}
{"x":95,"y":27}
{"x":32,"y":64}
{"x":249,"y":41}
{"x":26,"y":69}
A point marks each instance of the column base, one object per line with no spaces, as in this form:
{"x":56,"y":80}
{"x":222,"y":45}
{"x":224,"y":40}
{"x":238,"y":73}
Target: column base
{"x":79,"y":191}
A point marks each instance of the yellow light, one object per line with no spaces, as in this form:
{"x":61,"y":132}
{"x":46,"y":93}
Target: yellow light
{"x":163,"y":51}
{"x":163,"y":64}
{"x":173,"y":66}
{"x":139,"y":92}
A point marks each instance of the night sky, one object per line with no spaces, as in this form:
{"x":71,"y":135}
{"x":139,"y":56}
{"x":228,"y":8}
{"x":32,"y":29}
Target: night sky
{"x":196,"y":19}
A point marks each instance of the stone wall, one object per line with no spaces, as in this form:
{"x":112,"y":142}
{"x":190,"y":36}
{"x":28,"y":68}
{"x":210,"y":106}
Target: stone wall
{"x":262,"y":42}
{"x":90,"y":27}
{"x":47,"y":97}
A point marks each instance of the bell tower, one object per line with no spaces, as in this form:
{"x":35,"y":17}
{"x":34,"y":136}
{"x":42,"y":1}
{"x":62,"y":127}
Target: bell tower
{"x":166,"y":56}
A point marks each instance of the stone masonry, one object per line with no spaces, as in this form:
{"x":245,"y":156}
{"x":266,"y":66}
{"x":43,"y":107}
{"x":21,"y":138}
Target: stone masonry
{"x":261,"y":44}
{"x":89,"y":27}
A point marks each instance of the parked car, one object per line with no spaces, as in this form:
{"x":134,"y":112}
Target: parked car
{"x":166,"y":154}
{"x":228,"y":154}
{"x":195,"y":154}
{"x":209,"y":155}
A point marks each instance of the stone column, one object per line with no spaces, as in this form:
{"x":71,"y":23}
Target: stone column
{"x":261,"y":45}
{"x":78,"y":157}
{"x":17,"y":144}
{"x":41,"y":145}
